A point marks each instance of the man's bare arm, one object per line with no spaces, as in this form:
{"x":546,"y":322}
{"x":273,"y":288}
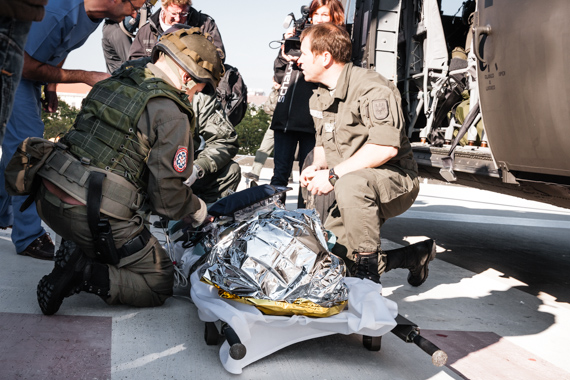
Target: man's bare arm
{"x":36,"y":70}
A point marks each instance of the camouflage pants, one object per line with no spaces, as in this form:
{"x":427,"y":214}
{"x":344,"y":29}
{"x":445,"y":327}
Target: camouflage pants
{"x":142,"y":279}
{"x":214,"y":186}
{"x":365,"y":199}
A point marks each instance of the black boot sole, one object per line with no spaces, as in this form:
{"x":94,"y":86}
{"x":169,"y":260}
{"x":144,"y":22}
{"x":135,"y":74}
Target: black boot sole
{"x":422,"y":277}
{"x":49,"y":298}
{"x":57,"y":285}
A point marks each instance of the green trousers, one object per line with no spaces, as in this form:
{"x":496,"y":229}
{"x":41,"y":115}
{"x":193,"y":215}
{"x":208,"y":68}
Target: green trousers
{"x":365,"y":199}
{"x":214,"y":186}
{"x":142,"y":279}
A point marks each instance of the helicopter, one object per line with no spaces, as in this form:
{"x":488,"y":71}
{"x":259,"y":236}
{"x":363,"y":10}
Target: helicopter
{"x":483,"y":92}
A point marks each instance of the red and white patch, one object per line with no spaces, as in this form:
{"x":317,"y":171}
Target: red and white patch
{"x":180,"y":159}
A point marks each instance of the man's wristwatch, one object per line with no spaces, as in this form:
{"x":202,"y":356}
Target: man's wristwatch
{"x":332,"y":176}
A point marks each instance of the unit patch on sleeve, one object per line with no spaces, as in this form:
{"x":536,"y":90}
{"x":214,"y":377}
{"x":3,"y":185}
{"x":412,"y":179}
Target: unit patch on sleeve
{"x":380,"y":109}
{"x":181,"y":159}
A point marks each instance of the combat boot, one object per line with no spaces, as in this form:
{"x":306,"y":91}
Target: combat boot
{"x":366,"y":266}
{"x":96,"y":279}
{"x":415,"y":258}
{"x":72,"y":273}
{"x":64,"y":279}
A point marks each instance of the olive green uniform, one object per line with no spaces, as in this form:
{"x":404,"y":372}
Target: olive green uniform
{"x":215,"y":143}
{"x":219,"y":146}
{"x":163,"y":131}
{"x":365,"y":108}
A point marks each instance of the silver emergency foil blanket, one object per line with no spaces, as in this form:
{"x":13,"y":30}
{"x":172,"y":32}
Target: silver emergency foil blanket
{"x":278,"y":256}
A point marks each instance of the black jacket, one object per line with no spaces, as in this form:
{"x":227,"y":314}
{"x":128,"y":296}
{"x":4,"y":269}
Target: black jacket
{"x":148,"y":34}
{"x":292,"y":109}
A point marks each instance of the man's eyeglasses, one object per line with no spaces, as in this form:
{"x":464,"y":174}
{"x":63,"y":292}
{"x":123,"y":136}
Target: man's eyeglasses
{"x":179,"y":14}
{"x":135,"y":9}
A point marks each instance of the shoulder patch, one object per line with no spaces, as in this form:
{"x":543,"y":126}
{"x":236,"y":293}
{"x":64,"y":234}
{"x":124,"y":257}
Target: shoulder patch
{"x":380,"y":109}
{"x":180,"y":159}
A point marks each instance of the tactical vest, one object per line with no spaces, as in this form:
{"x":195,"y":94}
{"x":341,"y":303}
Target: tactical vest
{"x":105,"y":131}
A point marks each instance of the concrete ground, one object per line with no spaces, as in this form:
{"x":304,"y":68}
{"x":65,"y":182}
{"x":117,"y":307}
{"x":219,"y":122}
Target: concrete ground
{"x":490,"y":327}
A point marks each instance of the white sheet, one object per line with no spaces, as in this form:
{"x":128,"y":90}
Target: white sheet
{"x":368,"y":313}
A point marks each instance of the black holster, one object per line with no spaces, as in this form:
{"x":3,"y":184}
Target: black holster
{"x":105,"y":244}
{"x":100,"y":228}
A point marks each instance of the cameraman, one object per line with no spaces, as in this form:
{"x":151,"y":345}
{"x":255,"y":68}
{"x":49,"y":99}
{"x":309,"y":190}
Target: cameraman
{"x":173,"y":12}
{"x":117,"y":36}
{"x":292,"y":122}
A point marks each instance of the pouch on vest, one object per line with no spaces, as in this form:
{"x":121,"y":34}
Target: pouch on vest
{"x":20,"y":174}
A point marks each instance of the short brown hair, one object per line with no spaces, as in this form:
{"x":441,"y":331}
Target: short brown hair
{"x":329,"y":37}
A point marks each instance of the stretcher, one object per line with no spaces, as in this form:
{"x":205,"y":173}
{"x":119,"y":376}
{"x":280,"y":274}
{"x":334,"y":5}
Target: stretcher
{"x":250,"y":335}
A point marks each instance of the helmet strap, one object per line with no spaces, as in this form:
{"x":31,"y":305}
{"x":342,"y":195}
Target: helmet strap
{"x":176,"y":70}
{"x":188,"y":86}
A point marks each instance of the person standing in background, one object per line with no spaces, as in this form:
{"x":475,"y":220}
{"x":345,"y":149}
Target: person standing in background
{"x":292,"y":123}
{"x":173,"y":12}
{"x":118,"y":36}
{"x":16,"y":18}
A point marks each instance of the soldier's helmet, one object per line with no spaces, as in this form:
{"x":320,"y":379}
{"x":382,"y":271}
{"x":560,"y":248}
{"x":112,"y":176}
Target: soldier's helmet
{"x":194,"y":53}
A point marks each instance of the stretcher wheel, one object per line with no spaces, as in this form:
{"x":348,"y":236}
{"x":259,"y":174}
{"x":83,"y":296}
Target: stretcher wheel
{"x":211,"y":334}
{"x":237,"y":349}
{"x":372,"y":343}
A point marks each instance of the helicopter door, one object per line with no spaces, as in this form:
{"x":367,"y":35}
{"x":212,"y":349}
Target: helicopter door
{"x":523,"y":50}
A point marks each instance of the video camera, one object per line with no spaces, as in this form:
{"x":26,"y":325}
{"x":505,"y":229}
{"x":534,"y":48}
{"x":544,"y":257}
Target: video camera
{"x":130,"y":24}
{"x":292,"y":45}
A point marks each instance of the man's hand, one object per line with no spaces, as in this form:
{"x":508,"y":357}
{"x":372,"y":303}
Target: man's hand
{"x":93,"y":77}
{"x":43,"y":72}
{"x":288,"y":58}
{"x":307,"y":175}
{"x":198,"y":217}
{"x":320,"y":185}
{"x":50,"y":101}
{"x":288,"y":34}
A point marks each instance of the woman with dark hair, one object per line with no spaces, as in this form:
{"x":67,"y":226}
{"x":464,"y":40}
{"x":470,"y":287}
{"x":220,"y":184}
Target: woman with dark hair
{"x":292,"y":122}
{"x":322,"y":11}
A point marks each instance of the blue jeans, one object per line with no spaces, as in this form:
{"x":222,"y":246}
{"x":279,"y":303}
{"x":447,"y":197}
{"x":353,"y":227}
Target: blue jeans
{"x":284,"y":156}
{"x":25,"y":122}
{"x":13,"y":36}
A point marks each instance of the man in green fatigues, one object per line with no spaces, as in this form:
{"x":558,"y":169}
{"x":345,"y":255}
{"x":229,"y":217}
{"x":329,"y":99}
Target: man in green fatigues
{"x":129,"y":153}
{"x":216,"y":144}
{"x":361,"y":152}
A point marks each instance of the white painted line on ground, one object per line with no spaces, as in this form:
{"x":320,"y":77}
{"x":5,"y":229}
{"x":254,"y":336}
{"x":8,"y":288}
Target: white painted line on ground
{"x":485,"y":219}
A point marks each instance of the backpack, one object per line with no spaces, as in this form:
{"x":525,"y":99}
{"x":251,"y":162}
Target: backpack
{"x":20,"y":174}
{"x":232,"y":93}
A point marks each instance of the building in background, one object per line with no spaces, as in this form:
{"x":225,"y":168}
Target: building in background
{"x":73,"y":93}
{"x":256,"y":97}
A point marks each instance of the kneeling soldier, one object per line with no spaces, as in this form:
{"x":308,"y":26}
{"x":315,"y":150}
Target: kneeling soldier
{"x":128,"y":154}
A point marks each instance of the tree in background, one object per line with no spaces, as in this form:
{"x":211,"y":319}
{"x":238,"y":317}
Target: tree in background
{"x":251,"y":129}
{"x":59,"y":122}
